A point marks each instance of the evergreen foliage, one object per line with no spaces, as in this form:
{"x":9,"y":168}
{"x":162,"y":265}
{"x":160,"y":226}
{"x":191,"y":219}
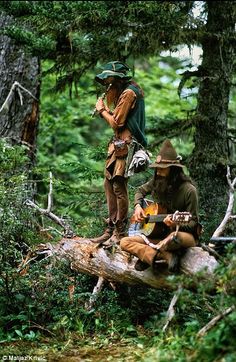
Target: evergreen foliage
{"x":74,"y":34}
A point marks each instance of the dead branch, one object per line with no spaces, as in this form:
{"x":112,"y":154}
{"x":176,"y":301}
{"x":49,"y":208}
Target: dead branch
{"x":68,"y":232}
{"x":214,"y":321}
{"x":37,"y":326}
{"x":171,"y":312}
{"x":50,"y":193}
{"x":16,"y":85}
{"x":228,"y":214}
{"x":211,"y":251}
{"x":94,"y":295}
{"x":59,"y":221}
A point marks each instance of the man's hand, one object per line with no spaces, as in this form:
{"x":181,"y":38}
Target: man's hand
{"x":168,"y":221}
{"x":101,"y":106}
{"x":139,"y":214}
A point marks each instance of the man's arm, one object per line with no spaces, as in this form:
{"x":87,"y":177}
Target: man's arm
{"x":191,"y":202}
{"x":142,"y":191}
{"x":117,"y":118}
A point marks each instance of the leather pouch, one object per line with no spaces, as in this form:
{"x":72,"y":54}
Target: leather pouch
{"x":121,"y":148}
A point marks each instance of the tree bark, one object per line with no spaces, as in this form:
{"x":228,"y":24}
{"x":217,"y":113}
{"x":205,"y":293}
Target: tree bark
{"x":210,"y":157}
{"x":118,"y":266}
{"x":18,"y":123}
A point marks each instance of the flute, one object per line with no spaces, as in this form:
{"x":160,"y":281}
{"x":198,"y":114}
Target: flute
{"x":103,"y":96}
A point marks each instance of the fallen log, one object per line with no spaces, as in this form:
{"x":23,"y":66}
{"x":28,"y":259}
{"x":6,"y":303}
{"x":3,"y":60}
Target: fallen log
{"x":118,"y":266}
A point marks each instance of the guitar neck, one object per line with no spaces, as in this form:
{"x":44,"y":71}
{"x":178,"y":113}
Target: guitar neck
{"x":155,"y":218}
{"x":177,"y":217}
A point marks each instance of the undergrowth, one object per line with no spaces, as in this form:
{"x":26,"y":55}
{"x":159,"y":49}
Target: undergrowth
{"x":43,"y":304}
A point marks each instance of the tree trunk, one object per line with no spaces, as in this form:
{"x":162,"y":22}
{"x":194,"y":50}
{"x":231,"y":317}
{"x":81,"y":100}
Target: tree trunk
{"x":18,"y":123}
{"x":118,"y":266}
{"x":210,"y":155}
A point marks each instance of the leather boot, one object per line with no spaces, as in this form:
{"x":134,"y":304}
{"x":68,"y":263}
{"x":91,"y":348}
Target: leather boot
{"x":166,"y":257}
{"x":172,"y":260}
{"x":173,"y":263}
{"x":121,"y":227}
{"x":118,"y":233}
{"x":106,"y":235}
{"x":141,"y":265}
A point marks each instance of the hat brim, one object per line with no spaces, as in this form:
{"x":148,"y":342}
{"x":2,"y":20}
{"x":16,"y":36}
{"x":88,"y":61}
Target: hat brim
{"x":164,"y":165}
{"x":104,"y":75}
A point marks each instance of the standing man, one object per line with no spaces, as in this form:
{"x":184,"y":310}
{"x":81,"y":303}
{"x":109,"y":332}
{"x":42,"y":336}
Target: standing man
{"x":124,"y":112}
{"x":172,"y":190}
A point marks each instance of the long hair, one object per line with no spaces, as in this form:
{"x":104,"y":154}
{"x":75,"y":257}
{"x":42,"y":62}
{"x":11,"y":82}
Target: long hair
{"x":176,"y":177}
{"x":137,"y":86}
{"x":117,"y":88}
{"x":115,"y":91}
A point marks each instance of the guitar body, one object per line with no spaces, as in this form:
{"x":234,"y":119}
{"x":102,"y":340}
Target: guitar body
{"x":153,"y":225}
{"x":154,"y":230}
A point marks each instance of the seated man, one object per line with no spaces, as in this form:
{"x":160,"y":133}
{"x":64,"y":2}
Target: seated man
{"x":172,"y":190}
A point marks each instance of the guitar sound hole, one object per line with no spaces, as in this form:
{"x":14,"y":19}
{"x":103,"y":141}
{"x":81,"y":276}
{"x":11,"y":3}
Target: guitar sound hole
{"x":147,"y":218}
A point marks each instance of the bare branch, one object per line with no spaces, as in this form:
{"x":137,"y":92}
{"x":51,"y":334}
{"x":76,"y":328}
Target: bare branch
{"x":211,"y":251}
{"x":214,"y":321}
{"x":16,"y":85}
{"x":96,"y":291}
{"x":228,"y":214}
{"x":50,"y":193}
{"x":35,"y":325}
{"x":171,"y":312}
{"x":68,"y":232}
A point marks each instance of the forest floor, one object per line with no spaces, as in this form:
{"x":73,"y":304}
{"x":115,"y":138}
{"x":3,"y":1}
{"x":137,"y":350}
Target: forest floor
{"x":92,"y":351}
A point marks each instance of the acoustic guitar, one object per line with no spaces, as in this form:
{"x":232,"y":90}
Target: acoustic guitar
{"x":153,"y":225}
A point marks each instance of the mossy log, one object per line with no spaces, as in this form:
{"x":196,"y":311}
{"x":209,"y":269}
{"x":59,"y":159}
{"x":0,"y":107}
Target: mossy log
{"x":118,"y":266}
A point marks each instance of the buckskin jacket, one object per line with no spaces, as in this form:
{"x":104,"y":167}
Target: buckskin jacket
{"x":128,"y":121}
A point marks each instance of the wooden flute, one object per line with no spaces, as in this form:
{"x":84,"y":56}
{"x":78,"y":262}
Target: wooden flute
{"x":102,"y":97}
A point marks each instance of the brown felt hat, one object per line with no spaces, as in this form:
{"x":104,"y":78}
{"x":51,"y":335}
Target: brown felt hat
{"x":167,"y":156}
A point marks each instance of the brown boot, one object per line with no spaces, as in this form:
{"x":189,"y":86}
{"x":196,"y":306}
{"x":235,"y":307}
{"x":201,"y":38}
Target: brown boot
{"x":165,"y":257}
{"x":106,"y":235}
{"x":141,"y":265}
{"x":113,"y":241}
{"x":118,"y":233}
{"x":173,"y":264}
{"x":158,"y":260}
{"x":172,"y":260}
{"x":121,"y":229}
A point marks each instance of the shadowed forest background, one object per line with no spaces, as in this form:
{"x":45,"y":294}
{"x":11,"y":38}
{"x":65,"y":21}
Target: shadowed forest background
{"x":54,"y":49}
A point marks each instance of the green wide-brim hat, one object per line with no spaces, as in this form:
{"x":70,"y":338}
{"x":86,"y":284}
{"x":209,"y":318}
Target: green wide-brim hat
{"x":115,"y":69}
{"x":167,"y":157}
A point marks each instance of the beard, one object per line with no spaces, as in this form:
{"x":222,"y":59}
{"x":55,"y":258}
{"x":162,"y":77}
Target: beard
{"x":162,"y":188}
